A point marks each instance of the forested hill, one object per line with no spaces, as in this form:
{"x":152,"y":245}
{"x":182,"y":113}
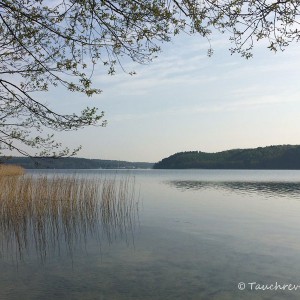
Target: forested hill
{"x":74,"y":163}
{"x":272,"y":157}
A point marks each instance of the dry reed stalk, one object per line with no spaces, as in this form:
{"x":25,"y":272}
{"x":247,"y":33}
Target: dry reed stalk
{"x":11,"y":170}
{"x":49,"y":211}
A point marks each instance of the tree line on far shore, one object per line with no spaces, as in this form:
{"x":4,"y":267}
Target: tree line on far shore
{"x":271,"y":157}
{"x":73,"y":163}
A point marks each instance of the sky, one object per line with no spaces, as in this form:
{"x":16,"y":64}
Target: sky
{"x":186,"y":101}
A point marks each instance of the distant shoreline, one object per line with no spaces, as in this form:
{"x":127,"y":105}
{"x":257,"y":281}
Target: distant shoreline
{"x":74,"y":163}
{"x":281,"y":157}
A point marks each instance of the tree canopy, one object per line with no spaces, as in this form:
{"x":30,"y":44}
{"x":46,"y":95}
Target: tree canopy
{"x":47,"y":44}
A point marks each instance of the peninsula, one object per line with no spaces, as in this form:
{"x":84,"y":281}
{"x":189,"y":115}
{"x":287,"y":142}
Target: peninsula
{"x":272,"y":157}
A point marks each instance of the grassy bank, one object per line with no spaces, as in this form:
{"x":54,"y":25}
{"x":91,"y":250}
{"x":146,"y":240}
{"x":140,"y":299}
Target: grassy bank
{"x":11,"y":170}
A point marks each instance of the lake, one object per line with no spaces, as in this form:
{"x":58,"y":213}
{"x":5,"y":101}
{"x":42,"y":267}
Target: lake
{"x":188,"y":234}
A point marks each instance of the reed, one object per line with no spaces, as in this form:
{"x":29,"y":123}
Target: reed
{"x":44,"y":212}
{"x":11,"y":170}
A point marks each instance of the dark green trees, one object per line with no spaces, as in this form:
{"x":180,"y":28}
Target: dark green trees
{"x":273,"y":157}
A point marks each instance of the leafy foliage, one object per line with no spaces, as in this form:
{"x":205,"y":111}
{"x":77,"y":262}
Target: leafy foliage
{"x":58,"y":43}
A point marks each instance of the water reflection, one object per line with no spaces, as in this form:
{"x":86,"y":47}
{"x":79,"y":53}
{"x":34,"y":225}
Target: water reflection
{"x":46,"y":215}
{"x":285,"y":189}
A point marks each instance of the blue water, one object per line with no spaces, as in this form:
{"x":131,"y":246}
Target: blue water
{"x":197,"y":235}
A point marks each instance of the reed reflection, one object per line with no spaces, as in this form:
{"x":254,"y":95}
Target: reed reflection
{"x":44,"y":214}
{"x":285,"y":189}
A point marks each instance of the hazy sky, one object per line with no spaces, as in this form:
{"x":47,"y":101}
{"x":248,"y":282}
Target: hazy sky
{"x":185,"y":101}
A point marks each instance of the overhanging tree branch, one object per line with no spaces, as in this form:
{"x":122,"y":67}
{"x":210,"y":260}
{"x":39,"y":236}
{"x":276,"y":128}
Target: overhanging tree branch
{"x":44,"y":44}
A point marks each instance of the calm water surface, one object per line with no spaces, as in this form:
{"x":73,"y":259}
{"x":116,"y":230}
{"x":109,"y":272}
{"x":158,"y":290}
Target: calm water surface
{"x":196,"y":234}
